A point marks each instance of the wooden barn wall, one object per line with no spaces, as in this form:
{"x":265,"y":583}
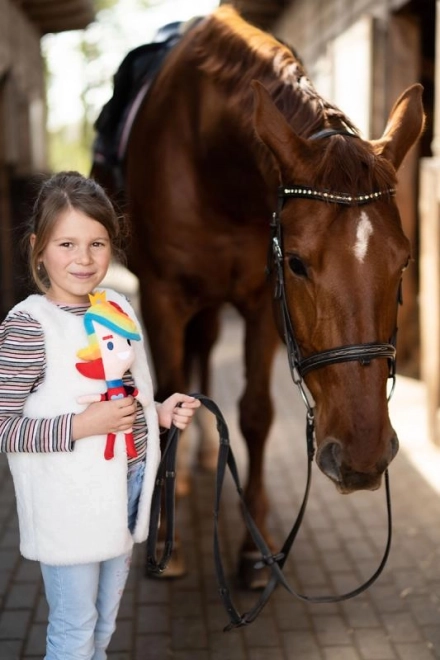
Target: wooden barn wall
{"x":22,"y":136}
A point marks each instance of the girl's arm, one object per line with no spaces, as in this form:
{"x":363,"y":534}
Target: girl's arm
{"x":22,"y":364}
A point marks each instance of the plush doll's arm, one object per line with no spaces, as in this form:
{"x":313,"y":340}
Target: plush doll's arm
{"x":91,"y":398}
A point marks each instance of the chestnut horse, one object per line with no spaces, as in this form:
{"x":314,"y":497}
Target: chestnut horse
{"x":230,"y":116}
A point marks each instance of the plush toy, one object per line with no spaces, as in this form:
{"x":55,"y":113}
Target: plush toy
{"x":108,"y":356}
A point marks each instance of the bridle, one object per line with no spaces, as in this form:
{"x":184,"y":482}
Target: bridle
{"x":364,"y":353}
{"x":299,"y":365}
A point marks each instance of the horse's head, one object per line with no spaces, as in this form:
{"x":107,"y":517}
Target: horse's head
{"x":342,"y":263}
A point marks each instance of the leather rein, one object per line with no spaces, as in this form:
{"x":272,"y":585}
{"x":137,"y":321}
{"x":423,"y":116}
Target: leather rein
{"x":299,"y":366}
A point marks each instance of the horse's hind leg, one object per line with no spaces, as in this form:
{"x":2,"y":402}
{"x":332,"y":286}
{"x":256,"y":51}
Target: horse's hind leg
{"x":165,"y":325}
{"x":200,"y":336}
{"x":256,"y":412}
{"x":202,"y":333}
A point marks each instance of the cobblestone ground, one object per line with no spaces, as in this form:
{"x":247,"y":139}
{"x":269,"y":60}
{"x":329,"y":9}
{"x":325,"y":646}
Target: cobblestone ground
{"x":340,"y":545}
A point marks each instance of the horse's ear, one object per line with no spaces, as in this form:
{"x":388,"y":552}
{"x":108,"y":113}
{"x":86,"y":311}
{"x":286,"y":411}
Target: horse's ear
{"x":404,"y":126}
{"x":273,"y":130}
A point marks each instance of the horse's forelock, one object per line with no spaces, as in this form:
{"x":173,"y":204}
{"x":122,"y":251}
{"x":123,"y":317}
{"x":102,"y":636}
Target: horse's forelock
{"x":349,"y":165}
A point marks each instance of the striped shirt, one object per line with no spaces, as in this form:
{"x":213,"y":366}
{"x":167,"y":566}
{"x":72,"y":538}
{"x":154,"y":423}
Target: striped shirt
{"x":22,"y":369}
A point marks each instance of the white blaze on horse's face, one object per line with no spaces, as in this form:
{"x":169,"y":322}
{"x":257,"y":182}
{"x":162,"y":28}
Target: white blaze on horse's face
{"x":363,"y":232}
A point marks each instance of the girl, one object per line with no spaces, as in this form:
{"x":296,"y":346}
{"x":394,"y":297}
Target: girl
{"x":79,"y":514}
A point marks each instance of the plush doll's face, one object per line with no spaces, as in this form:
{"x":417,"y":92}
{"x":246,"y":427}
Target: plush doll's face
{"x":116,"y":351}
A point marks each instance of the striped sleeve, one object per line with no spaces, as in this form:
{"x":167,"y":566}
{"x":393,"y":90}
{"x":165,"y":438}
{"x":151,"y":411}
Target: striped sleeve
{"x":22,"y":365}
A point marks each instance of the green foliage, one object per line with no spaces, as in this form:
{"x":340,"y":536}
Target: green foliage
{"x":69,"y":151}
{"x":69,"y":147}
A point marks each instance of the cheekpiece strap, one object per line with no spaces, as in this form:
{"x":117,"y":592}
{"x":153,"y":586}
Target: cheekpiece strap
{"x":336,"y":198}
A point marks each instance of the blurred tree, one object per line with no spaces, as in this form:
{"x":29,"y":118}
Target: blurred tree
{"x":100,"y":48}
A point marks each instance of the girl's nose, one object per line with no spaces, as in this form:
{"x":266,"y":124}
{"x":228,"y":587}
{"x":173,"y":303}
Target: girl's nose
{"x":84,"y":256}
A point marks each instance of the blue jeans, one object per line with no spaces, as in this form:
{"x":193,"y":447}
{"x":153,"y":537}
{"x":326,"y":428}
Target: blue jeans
{"x":84,"y":598}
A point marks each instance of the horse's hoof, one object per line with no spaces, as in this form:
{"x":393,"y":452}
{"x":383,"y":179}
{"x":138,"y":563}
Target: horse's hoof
{"x":176,"y":567}
{"x":250,"y":577}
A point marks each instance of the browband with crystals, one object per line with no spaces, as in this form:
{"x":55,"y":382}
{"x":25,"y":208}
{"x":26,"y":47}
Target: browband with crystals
{"x":336,"y":198}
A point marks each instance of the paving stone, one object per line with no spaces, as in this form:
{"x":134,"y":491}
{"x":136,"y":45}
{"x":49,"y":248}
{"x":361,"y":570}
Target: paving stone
{"x":122,"y":639}
{"x":14,"y":624}
{"x":191,"y":655}
{"x":414,"y":652}
{"x":332,"y":630}
{"x":262,"y":634}
{"x":22,"y":596}
{"x":36,"y":641}
{"x":360,"y":614}
{"x":153,"y":646}
{"x":301,"y":645}
{"x":401,"y":627}
{"x":227,"y":646}
{"x":374,"y":644}
{"x":264,"y":654}
{"x":152,"y":619}
{"x":10,"y":650}
{"x":340,"y":653}
{"x":188,"y":633}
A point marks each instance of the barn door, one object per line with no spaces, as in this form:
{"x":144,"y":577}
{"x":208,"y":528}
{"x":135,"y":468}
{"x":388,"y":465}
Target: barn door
{"x":400,"y":67}
{"x":6,"y":247}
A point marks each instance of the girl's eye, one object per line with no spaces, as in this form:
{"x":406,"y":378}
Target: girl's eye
{"x":98,"y":244}
{"x":110,"y":345}
{"x":66,"y":244}
{"x":129,"y":342}
{"x":297,"y":266}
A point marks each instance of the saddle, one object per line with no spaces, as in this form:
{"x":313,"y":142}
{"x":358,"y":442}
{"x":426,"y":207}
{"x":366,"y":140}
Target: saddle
{"x":131,"y":83}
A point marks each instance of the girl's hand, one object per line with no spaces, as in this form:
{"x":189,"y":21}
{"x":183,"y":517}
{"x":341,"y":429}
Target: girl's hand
{"x":105,"y":417}
{"x":169,"y":412}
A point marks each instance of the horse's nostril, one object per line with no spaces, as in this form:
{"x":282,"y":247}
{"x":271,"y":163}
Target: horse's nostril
{"x":394,"y":446}
{"x":329,"y":460}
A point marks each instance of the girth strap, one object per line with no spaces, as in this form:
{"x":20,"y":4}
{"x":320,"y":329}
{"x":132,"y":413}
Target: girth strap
{"x":166,"y":477}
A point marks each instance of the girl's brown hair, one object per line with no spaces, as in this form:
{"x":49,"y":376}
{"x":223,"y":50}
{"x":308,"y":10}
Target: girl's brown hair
{"x":58,"y":193}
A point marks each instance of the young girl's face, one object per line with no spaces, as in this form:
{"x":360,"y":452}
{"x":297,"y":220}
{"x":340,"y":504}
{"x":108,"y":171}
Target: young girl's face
{"x":76,"y":257}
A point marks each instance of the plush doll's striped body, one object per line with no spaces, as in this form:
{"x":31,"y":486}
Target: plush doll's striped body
{"x":108,"y":356}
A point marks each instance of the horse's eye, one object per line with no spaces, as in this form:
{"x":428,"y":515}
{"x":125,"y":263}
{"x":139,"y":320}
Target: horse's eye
{"x":129,"y":342}
{"x":297,"y":266}
{"x":110,"y":345}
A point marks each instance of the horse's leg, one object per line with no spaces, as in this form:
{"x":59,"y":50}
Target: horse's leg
{"x":202,"y":333}
{"x":256,"y":412}
{"x":200,"y":336}
{"x":165,"y":323}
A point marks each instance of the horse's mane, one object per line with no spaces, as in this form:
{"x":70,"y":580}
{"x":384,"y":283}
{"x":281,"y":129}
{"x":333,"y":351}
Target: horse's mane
{"x":233,"y":53}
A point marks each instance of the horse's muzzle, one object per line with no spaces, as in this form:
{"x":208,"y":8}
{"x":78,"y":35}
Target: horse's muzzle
{"x":332,"y":461}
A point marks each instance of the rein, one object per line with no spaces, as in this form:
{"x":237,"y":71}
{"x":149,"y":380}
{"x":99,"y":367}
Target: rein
{"x":299,"y":366}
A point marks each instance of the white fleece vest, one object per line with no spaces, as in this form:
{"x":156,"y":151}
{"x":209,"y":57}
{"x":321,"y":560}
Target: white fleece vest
{"x":72,"y":507}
